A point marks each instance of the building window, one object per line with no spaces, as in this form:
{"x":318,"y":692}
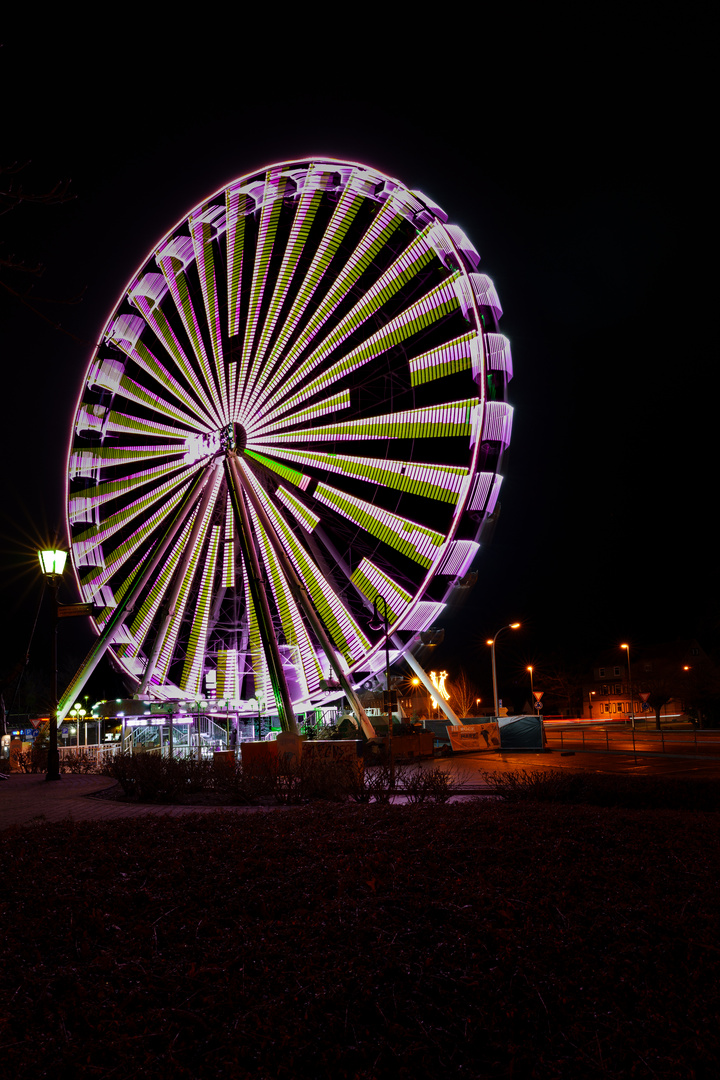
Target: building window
{"x":601,"y":673}
{"x":616,"y":671}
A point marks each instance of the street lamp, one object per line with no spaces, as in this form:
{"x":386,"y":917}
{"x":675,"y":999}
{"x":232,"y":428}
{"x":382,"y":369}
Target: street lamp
{"x":53,"y":564}
{"x":376,"y":625}
{"x":491,"y":641}
{"x":532,"y":695}
{"x":632,"y":711}
{"x":591,"y":695}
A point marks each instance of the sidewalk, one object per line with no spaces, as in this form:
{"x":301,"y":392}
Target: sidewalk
{"x":27,"y":799}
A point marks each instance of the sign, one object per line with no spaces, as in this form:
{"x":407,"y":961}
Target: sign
{"x":474,"y":736}
{"x":537,"y":694}
{"x":69,"y":611}
{"x":644,"y":696}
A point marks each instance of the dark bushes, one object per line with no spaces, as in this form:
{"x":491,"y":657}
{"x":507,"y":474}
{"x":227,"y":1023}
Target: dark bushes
{"x":602,"y":789}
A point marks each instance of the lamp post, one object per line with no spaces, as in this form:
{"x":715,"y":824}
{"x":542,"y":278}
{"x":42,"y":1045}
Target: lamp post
{"x":591,"y":695}
{"x":376,"y":625}
{"x":632,"y":711}
{"x":491,"y":641}
{"x":53,"y":564}
{"x":532,"y":695}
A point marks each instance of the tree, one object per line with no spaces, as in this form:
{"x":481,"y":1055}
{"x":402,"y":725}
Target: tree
{"x":464,"y":695}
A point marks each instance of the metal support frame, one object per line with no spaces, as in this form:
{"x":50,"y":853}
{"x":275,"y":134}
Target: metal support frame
{"x":278,"y":681}
{"x":427,"y":682}
{"x":301,"y":596}
{"x":126,"y":605}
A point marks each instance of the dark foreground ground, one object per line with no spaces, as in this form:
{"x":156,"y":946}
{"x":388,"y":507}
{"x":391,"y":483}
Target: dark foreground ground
{"x":477,"y":939}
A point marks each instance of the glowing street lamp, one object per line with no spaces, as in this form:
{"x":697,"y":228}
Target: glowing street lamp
{"x":532,"y":695}
{"x":52,"y":563}
{"x":632,"y":711}
{"x":491,"y":641}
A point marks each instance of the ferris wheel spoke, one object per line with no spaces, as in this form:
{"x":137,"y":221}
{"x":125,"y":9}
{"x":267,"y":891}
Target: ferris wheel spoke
{"x":440,"y":482}
{"x":141,"y":624}
{"x":419,"y":543}
{"x":167,"y":639}
{"x":172,"y":258}
{"x":203,"y":228}
{"x":145,"y":294}
{"x":296,"y":636}
{"x":383,"y":226}
{"x":101,"y":574}
{"x":342,"y":218}
{"x":332,"y":404}
{"x":275,"y":187}
{"x":316,"y":182}
{"x":228,"y":571}
{"x":83,"y":505}
{"x":464,"y":353}
{"x":455,"y":418}
{"x":418,"y":317}
{"x":372,"y":583}
{"x":237,"y":204}
{"x":194,"y":664}
{"x":344,"y":631}
{"x":258,"y":659}
{"x":408,"y":265}
{"x":86,"y":541}
{"x":125,"y":333}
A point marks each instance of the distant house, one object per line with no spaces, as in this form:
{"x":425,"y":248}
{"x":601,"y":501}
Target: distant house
{"x":659,"y":672}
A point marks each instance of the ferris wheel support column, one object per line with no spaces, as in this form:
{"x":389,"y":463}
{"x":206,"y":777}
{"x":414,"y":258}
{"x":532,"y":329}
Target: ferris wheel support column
{"x":305,"y":603}
{"x":427,"y":683}
{"x":278,"y":681}
{"x":179,"y":577}
{"x":126,"y":605}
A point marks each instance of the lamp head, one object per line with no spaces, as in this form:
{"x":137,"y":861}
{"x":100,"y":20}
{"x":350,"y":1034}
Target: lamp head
{"x":52,"y":562}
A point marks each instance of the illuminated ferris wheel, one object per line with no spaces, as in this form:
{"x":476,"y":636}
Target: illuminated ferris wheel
{"x":296,"y":410}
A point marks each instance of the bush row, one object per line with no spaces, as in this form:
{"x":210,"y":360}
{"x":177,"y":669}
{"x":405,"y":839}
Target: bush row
{"x":603,"y":789}
{"x":151,"y":778}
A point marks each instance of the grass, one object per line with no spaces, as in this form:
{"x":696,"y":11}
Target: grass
{"x":519,"y":938}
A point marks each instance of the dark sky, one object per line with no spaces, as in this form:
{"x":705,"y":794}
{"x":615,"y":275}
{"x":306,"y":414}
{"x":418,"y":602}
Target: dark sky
{"x":575,"y":158}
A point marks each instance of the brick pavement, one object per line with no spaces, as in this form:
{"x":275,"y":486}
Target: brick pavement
{"x":27,"y":799}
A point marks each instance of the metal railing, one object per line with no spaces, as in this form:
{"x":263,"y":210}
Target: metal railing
{"x":591,"y":740}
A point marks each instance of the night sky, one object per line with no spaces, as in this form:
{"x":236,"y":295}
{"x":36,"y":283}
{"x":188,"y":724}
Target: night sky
{"x":578,"y":166}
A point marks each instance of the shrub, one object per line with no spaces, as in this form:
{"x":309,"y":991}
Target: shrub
{"x":78,"y":763}
{"x":607,"y":790}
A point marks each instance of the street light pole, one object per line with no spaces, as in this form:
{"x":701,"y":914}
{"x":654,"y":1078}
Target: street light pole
{"x":532,"y":694}
{"x":632,"y":711}
{"x":375,"y":626}
{"x":510,"y":626}
{"x":53,"y":564}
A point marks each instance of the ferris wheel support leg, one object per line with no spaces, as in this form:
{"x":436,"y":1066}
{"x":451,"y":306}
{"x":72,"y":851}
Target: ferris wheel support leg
{"x":278,"y":681}
{"x":306,"y":604}
{"x":179,"y":577}
{"x":426,"y":681}
{"x":126,"y":605}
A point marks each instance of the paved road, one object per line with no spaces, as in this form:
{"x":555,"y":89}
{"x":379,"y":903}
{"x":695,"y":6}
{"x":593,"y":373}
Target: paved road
{"x":30,"y":799}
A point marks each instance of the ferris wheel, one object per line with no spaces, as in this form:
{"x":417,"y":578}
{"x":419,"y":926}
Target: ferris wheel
{"x":296,"y":410}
